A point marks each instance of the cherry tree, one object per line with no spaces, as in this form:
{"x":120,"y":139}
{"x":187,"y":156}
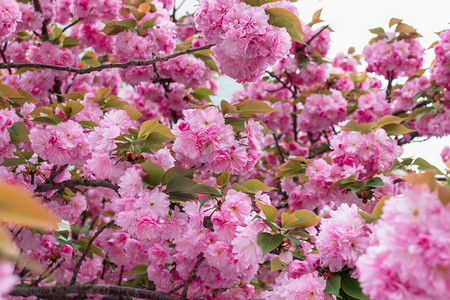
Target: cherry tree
{"x":120,"y":177}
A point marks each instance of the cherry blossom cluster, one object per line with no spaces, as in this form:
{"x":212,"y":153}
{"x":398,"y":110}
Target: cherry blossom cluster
{"x":245,"y":43}
{"x":394,"y":58}
{"x":440,"y":71}
{"x":322,"y":111}
{"x":203,"y":140}
{"x":408,"y":260}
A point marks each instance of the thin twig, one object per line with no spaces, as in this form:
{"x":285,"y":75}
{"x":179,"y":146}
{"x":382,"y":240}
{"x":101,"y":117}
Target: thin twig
{"x":119,"y":283}
{"x":282,"y":159}
{"x":191,"y":278}
{"x":390,"y":78}
{"x":86,"y":250}
{"x":399,"y":112}
{"x":71,"y":24}
{"x":2,"y":53}
{"x":83,"y":181}
{"x":312,"y":38}
{"x":103,"y":66}
{"x":61,"y":291}
{"x":175,"y":289}
{"x":47,"y":273}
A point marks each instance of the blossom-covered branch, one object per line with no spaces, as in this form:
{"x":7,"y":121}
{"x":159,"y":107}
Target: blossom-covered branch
{"x":86,"y":250}
{"x":123,"y":65}
{"x":45,"y":187}
{"x":62,"y":290}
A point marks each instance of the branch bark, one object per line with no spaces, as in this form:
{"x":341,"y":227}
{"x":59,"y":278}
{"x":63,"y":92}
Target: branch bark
{"x":61,"y":291}
{"x":86,"y":250}
{"x":45,"y":187}
{"x":104,"y":66}
{"x":191,"y":278}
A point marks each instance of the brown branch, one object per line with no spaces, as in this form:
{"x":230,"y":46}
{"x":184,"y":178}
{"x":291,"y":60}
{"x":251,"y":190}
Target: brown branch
{"x":282,"y":159}
{"x":71,"y":24}
{"x":48,"y":272}
{"x":399,"y":112}
{"x":61,"y":291}
{"x":390,"y":78}
{"x":45,"y":187}
{"x":312,"y":38}
{"x":86,"y":250}
{"x":104,"y":66}
{"x":44,"y":30}
{"x":191,"y":278}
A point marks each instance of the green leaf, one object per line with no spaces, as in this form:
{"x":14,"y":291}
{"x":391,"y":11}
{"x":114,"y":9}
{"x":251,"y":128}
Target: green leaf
{"x":269,"y":211}
{"x":375,"y":182}
{"x":203,"y":94}
{"x":287,"y":219}
{"x":305,"y":218}
{"x":240,"y":188}
{"x":70,"y":42}
{"x":154,"y":171}
{"x":19,"y":132}
{"x":208,"y":61}
{"x":333,"y":285}
{"x":227,"y":108}
{"x":48,"y":120}
{"x":282,"y":17}
{"x":74,"y":96}
{"x":276,"y":264}
{"x":352,"y":288}
{"x":138,"y":269}
{"x":294,"y":241}
{"x":268,"y":242}
{"x":254,"y":107}
{"x":149,"y":23}
{"x":115,"y":27}
{"x":389,"y":120}
{"x":177,"y":172}
{"x":24,"y":154}
{"x":75,"y":107}
{"x":256,"y":185}
{"x":396,"y":129}
{"x":187,"y":185}
{"x":350,"y":126}
{"x":148,"y":127}
{"x":377,"y":31}
{"x":378,"y":209}
{"x":366,"y":216}
{"x":88,"y":124}
{"x":223,"y":178}
{"x":8,"y":92}
{"x":10,"y":162}
{"x":302,"y":233}
{"x":132,"y":112}
{"x":259,"y":2}
{"x":423,"y":165}
{"x":92,"y":62}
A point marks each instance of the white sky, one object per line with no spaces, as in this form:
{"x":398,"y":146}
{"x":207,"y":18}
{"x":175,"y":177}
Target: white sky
{"x":351,"y":21}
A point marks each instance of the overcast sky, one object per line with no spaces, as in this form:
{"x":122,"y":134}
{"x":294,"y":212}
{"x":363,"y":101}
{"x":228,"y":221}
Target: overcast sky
{"x":351,"y":21}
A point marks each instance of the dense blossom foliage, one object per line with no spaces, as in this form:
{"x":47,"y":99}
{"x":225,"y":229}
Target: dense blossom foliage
{"x":120,"y":172}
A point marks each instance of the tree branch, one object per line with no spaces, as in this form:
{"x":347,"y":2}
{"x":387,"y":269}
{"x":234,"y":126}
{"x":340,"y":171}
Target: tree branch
{"x":419,"y":105}
{"x":104,"y":66}
{"x":45,"y":187}
{"x":61,"y":291}
{"x":313,"y":37}
{"x":71,"y":24}
{"x":86,"y":250}
{"x":191,"y":278}
{"x":282,"y":159}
